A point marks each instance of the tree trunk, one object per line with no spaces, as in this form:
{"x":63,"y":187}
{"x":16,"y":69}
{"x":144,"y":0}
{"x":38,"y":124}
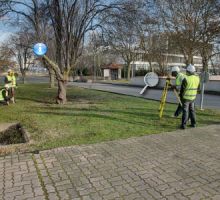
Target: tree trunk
{"x":61,"y":96}
{"x":205,"y":64}
{"x":129,"y":71}
{"x":150,"y":66}
{"x":23,"y":77}
{"x":190,"y":59}
{"x":52,"y":77}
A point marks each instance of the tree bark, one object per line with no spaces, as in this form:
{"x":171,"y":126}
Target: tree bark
{"x":129,"y":71}
{"x":61,"y":93}
{"x":61,"y":96}
{"x":190,"y":58}
{"x":23,"y":77}
{"x":204,"y":64}
{"x":52,"y":78}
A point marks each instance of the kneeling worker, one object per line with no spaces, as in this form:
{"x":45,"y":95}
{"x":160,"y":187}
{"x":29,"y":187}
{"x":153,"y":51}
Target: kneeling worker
{"x":4,"y":97}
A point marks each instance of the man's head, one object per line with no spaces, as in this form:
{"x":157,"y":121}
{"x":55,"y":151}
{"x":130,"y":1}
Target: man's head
{"x":175,"y":70}
{"x":190,"y":69}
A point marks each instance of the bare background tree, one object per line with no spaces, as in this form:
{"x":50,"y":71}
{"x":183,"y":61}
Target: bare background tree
{"x":120,"y":32}
{"x":6,"y":57}
{"x":193,"y":25}
{"x":70,"y":22}
{"x":20,"y":45}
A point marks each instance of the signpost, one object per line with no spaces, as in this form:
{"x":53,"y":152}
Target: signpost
{"x":151,"y":79}
{"x":204,"y":78}
{"x":40,"y":49}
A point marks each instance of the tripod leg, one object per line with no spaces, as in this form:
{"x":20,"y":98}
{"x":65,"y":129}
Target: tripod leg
{"x":163,"y":99}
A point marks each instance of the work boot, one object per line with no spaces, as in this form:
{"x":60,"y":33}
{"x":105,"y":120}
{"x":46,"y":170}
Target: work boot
{"x":192,"y":125}
{"x":182,"y":127}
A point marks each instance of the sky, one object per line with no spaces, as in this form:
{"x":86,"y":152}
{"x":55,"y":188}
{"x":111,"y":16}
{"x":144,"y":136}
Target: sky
{"x":5,"y":30}
{"x":4,"y":34}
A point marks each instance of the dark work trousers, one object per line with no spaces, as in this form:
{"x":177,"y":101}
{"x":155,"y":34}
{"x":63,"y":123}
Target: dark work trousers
{"x":188,"y":112}
{"x":178,"y":110}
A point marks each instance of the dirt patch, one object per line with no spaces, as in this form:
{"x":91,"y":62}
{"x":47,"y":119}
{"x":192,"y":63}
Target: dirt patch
{"x":14,"y":134}
{"x":13,"y":137}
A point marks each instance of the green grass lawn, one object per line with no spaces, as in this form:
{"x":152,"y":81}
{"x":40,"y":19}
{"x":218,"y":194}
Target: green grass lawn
{"x":89,"y":116}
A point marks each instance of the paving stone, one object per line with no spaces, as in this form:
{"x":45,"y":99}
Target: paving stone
{"x":216,"y":197}
{"x":179,"y":165}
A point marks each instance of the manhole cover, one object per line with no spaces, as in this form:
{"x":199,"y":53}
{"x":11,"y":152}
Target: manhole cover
{"x":12,"y":134}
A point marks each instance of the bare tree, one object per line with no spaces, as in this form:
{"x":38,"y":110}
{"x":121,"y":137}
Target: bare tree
{"x":153,"y":41}
{"x":120,"y":32}
{"x":209,"y":31}
{"x":192,"y":24}
{"x":6,"y":57}
{"x":71,"y":21}
{"x":20,"y":45}
{"x":33,"y":16}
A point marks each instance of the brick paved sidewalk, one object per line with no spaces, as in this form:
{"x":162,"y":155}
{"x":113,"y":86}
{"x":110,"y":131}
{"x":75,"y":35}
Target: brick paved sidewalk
{"x":177,"y":165}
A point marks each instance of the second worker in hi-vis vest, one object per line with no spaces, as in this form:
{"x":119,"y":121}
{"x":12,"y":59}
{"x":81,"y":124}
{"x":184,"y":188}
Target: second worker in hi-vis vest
{"x":178,"y":82}
{"x":188,"y":92}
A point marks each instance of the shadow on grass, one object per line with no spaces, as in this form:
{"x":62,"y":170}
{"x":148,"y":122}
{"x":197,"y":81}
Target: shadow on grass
{"x":151,"y":114}
{"x":93,"y":115}
{"x":43,"y":101}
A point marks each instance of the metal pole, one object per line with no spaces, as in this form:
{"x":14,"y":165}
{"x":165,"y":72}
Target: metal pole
{"x":94,"y":70}
{"x":202,"y":96}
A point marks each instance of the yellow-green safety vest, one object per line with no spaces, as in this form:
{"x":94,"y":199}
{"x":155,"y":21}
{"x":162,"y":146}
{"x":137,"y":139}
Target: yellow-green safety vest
{"x":179,"y":79}
{"x":191,"y":87}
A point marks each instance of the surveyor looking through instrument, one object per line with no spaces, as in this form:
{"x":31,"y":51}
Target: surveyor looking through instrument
{"x":175,"y":72}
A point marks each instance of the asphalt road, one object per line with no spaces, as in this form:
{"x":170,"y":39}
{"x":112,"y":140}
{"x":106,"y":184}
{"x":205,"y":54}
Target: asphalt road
{"x":210,"y":101}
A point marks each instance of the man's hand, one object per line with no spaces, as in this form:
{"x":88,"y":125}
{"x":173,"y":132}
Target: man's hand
{"x":172,"y":87}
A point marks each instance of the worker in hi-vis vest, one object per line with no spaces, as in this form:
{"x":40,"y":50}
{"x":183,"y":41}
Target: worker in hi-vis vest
{"x":4,"y":98}
{"x":188,"y":92}
{"x":8,"y":82}
{"x":178,"y":82}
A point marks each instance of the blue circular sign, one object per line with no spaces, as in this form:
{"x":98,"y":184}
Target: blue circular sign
{"x":40,"y":49}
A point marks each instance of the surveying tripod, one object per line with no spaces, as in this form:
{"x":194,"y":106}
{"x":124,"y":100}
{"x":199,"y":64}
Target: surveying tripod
{"x":164,"y":97}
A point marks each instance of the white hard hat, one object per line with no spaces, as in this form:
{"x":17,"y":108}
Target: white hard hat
{"x":9,"y":70}
{"x":175,"y":69}
{"x":190,"y":68}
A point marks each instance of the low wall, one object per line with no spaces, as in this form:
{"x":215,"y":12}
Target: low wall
{"x":212,"y":85}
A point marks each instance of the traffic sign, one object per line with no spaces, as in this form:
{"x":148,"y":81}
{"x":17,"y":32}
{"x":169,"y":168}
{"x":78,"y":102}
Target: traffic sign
{"x":150,"y":79}
{"x":40,"y":49}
